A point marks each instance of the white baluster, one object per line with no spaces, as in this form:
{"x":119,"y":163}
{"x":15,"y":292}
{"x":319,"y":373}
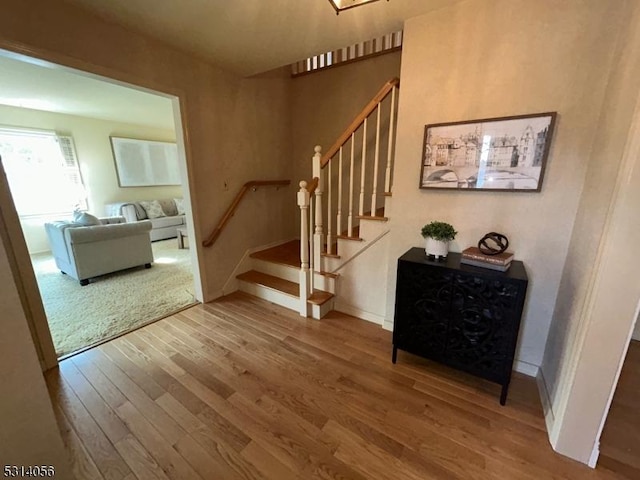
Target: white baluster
{"x":376,"y":160}
{"x":305,"y":275}
{"x":351,"y":175}
{"x":339,"y":215}
{"x":363,"y":167}
{"x":392,"y":116}
{"x":319,"y":231}
{"x":329,"y":203}
{"x":312,"y":223}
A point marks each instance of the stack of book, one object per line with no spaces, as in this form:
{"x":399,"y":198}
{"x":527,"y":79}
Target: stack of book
{"x":473,"y":256}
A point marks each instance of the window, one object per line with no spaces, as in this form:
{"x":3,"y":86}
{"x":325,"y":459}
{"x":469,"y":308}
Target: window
{"x":42,"y":171}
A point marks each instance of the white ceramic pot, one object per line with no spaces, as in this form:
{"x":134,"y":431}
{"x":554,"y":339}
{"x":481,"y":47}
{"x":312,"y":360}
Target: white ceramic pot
{"x":436,"y":248}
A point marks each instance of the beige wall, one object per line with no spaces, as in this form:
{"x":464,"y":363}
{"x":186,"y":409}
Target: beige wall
{"x":236,"y":129}
{"x":595,"y":201}
{"x":579,"y":309}
{"x":93,"y":148}
{"x":29,"y":434}
{"x":488,"y":58}
{"x":324,"y":103}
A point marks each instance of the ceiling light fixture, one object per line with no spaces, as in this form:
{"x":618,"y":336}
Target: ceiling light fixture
{"x":341,"y":5}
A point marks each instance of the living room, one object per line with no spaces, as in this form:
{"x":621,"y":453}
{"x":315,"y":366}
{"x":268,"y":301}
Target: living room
{"x":42,"y":105}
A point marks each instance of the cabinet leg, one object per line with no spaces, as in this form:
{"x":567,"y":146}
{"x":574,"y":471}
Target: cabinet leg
{"x":394,"y":355}
{"x":503,"y":394}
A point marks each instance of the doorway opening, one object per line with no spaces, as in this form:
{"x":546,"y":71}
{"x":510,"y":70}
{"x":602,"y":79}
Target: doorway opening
{"x":100,"y":271}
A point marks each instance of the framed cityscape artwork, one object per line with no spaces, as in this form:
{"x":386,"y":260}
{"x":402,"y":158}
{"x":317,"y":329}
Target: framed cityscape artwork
{"x":508,"y":153}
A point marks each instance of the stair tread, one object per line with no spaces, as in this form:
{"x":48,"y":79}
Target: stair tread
{"x":329,"y":274}
{"x":319,"y":297}
{"x":285,"y":254}
{"x":345,"y":233}
{"x":284,"y":286}
{"x":368,"y":217}
{"x":288,"y":254}
{"x":345,"y":237}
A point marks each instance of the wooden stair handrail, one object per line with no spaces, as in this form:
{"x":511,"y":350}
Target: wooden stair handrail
{"x":236,"y":201}
{"x":359,"y":120}
{"x":312,"y":185}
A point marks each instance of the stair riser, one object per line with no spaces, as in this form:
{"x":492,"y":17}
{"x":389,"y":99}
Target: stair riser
{"x":292,"y":274}
{"x":330,"y":264}
{"x":319,"y":311}
{"x":370,"y":229}
{"x":277,"y":270}
{"x":322,"y":282}
{"x":270,"y":295}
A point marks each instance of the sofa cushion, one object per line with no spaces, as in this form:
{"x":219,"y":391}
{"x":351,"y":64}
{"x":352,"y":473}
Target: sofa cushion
{"x":168,"y":207}
{"x":85,"y":218}
{"x":167,"y":221}
{"x":97,"y":233}
{"x":179,"y":202}
{"x":140,"y":213}
{"x":153,"y":209}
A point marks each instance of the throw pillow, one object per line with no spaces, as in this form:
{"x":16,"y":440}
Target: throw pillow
{"x":153,"y":209}
{"x":168,"y":207}
{"x":85,"y":219}
{"x":179,"y":205}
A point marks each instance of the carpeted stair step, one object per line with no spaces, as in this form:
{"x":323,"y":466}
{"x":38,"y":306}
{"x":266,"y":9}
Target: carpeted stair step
{"x":277,"y":290}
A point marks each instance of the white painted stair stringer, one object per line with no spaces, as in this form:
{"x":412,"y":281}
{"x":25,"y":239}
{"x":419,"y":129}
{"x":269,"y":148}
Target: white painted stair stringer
{"x":362,"y":287}
{"x":370,"y":231}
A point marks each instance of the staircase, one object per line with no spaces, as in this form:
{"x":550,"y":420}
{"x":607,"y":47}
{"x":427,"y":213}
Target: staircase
{"x":342,"y":214}
{"x":275,"y":277}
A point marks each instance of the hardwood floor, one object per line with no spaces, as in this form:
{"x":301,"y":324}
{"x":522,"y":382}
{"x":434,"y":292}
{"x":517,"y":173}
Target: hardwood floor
{"x":244,"y":389}
{"x":620,"y":441}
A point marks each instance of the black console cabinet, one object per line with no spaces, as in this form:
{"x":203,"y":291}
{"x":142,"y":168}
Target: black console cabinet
{"x":462,"y":316}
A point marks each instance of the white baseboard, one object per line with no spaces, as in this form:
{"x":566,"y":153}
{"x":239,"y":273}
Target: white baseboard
{"x":526,"y":368}
{"x":356,"y":312}
{"x":40,"y":252}
{"x":387,"y":325}
{"x":545,"y":399}
{"x":595,"y":453}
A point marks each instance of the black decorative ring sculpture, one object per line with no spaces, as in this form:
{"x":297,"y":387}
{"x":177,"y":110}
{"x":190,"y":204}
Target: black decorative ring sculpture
{"x":499,"y":243}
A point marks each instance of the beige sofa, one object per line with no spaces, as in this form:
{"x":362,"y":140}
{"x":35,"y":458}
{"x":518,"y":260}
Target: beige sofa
{"x":161,"y":227}
{"x":85,"y":252}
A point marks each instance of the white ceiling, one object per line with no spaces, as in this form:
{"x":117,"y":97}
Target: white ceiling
{"x":56,"y":89}
{"x":253,"y":36}
{"x":244,"y":36}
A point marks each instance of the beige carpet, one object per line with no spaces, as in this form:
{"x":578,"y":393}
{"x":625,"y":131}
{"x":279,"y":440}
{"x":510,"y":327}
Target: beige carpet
{"x":111,"y":304}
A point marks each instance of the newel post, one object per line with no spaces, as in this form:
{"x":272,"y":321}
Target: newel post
{"x":318,"y":237}
{"x":305,"y":275}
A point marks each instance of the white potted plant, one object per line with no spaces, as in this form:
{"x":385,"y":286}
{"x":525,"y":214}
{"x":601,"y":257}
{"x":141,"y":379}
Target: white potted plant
{"x":437,"y":236}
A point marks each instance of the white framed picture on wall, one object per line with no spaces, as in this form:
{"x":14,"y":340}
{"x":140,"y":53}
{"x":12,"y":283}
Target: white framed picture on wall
{"x":145,"y":163}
